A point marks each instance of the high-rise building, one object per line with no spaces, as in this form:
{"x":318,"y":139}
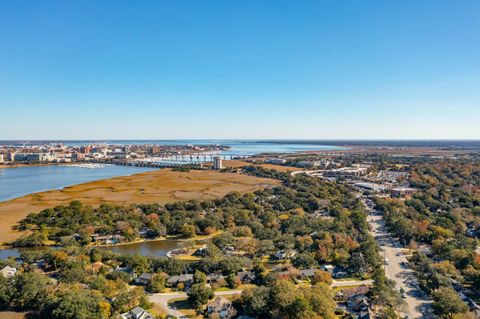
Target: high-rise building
{"x":11,"y":156}
{"x":85,"y":149}
{"x":217,"y":163}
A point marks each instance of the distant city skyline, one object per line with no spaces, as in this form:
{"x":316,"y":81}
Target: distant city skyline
{"x":72,"y":70}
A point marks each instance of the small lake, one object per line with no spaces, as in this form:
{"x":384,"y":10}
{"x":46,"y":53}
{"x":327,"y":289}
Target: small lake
{"x":154,"y":248}
{"x":15,"y":252}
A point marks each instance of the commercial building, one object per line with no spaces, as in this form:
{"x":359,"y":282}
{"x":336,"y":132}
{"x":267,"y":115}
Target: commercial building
{"x":402,"y":192}
{"x":353,"y":171}
{"x":276,"y":161}
{"x":32,"y":157}
{"x":378,"y":188}
{"x":86,"y":149}
{"x":217,"y":163}
{"x":309,"y":163}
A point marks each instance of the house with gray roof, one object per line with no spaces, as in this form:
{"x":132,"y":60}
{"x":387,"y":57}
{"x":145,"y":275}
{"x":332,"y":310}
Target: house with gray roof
{"x":137,"y":313}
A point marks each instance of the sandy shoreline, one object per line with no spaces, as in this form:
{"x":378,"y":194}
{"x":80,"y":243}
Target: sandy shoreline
{"x":159,"y":186}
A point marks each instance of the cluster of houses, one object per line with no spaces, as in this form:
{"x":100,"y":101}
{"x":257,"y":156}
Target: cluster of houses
{"x":184,"y":281}
{"x":107,"y":239}
{"x":309,"y":273}
{"x":113,"y":239}
{"x":220,"y":306}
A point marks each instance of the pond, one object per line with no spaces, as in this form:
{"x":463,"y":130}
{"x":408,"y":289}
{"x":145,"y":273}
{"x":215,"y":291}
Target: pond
{"x":15,"y":252}
{"x":155,"y":248}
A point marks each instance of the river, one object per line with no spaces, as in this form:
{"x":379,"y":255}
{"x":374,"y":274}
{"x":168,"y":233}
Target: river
{"x":20,"y":181}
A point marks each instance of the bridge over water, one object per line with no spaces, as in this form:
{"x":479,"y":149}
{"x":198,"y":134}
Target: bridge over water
{"x":176,"y":160}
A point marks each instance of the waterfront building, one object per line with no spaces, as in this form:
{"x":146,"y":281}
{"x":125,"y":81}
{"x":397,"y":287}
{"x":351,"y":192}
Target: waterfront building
{"x":32,"y":157}
{"x":8,"y":271}
{"x":85,"y":149}
{"x":11,"y":156}
{"x":217,"y":163}
{"x":1,"y":158}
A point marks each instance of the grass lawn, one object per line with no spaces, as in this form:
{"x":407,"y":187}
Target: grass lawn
{"x":185,"y":307}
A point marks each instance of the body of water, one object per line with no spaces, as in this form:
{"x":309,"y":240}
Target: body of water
{"x":20,"y":181}
{"x":155,"y":248}
{"x":237,"y":147}
{"x":15,"y":252}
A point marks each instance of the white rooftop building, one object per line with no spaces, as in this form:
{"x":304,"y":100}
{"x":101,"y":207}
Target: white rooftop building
{"x":8,"y":271}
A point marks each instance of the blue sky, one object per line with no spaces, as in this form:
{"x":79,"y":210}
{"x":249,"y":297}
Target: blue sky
{"x":239,"y":69}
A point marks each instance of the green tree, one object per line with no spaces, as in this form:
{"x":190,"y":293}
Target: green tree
{"x":157,"y":283}
{"x":30,"y":291}
{"x":199,"y":277}
{"x":232,"y":281}
{"x":77,"y":304}
{"x":188,"y":231}
{"x":255,"y":302}
{"x":5,"y":291}
{"x":282,"y":295}
{"x":447,"y":303}
{"x":321,"y":298}
{"x":199,"y":295}
{"x":300,"y":309}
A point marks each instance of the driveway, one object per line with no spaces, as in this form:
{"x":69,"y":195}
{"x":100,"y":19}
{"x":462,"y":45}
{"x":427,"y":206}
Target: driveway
{"x":163,"y":299}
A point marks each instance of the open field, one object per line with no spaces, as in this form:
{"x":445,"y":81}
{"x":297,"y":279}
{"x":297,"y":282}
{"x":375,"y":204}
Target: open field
{"x":396,"y":150}
{"x":160,"y":186}
{"x":12,"y":315}
{"x":239,"y":163}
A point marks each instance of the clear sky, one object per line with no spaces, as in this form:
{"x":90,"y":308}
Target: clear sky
{"x":112,"y":69}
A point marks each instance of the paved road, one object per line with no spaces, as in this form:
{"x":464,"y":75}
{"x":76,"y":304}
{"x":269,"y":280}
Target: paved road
{"x":397,"y":268}
{"x":163,"y":299}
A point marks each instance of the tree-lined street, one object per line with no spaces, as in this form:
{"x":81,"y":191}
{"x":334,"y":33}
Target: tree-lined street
{"x":396,"y":267}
